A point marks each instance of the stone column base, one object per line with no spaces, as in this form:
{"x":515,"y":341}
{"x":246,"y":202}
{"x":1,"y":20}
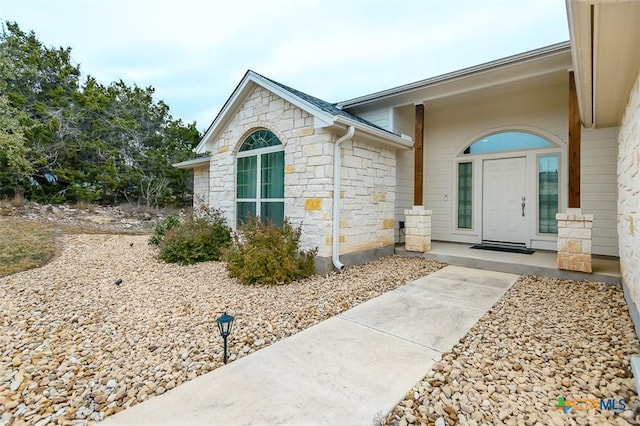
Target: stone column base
{"x":574,"y":240}
{"x":417,"y":229}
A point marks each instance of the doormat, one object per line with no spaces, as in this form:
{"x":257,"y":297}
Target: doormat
{"x":507,"y":249}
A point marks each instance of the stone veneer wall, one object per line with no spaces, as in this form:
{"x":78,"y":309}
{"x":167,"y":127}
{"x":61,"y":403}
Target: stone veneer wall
{"x":368,"y":197}
{"x":574,"y":240}
{"x":629,"y":201}
{"x":368,"y":177}
{"x":418,"y":229}
{"x":201,"y":186}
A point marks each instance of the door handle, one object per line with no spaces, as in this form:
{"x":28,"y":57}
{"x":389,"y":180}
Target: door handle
{"x":524,"y":204}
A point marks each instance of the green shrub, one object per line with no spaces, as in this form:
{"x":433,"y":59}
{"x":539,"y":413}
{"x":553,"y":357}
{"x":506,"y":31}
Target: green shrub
{"x":167,"y":224}
{"x":267,"y":254}
{"x":200,"y":238}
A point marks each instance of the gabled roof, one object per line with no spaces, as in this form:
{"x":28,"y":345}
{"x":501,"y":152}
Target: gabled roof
{"x":326,"y":115}
{"x":327,"y":107}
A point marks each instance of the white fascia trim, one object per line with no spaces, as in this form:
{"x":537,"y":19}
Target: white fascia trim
{"x":252,"y":77}
{"x":190,"y":164}
{"x":231,"y":102}
{"x":322,"y":119}
{"x":291,"y":98}
{"x":456,"y":75}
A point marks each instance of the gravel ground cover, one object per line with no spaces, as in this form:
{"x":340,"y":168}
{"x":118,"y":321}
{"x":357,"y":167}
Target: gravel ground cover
{"x":75,"y":347}
{"x":546,"y":338}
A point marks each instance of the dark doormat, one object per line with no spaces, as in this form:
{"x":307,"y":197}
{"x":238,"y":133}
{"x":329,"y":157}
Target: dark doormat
{"x":508,"y":249}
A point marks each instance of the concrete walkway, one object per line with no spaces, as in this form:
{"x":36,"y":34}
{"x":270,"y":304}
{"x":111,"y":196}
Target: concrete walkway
{"x":351,"y":369}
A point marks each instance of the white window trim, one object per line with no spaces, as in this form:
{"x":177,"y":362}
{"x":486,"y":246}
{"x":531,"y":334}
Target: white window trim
{"x":456,"y":205}
{"x":258,"y":200}
{"x":560,"y":191}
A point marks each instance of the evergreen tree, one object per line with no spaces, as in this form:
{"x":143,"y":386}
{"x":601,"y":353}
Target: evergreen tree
{"x":66,"y":141}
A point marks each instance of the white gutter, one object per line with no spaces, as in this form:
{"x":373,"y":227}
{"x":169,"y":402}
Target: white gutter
{"x":335,"y":256}
{"x":395,"y":141}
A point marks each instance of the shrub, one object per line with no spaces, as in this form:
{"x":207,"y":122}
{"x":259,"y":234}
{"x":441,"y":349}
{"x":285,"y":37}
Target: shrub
{"x":201,"y":238}
{"x":161,"y":229}
{"x":266,"y":254}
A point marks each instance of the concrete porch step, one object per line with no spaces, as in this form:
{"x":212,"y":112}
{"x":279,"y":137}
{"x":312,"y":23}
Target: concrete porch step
{"x":605,"y":269}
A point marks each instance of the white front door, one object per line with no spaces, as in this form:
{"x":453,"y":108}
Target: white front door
{"x":503,"y":188}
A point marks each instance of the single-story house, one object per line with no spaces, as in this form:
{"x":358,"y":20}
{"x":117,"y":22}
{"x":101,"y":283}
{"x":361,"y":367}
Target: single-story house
{"x":538,"y":150}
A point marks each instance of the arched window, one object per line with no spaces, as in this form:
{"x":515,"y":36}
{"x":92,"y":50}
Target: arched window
{"x":260,"y":178}
{"x":507,"y":141}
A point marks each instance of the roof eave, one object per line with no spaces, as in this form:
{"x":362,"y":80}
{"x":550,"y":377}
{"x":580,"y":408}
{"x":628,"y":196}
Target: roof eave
{"x":251,"y":78}
{"x":605,"y":40}
{"x":579,"y":20}
{"x":192,"y":164}
{"x":456,"y":75}
{"x":378,"y":136}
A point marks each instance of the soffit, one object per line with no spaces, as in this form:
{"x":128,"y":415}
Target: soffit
{"x":616,"y":59}
{"x":605,"y":42}
{"x":504,"y":90}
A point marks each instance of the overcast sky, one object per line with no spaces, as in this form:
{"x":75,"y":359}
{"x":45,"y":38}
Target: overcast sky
{"x":194,"y":52}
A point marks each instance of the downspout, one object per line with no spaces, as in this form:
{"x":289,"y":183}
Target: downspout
{"x":337,"y":163}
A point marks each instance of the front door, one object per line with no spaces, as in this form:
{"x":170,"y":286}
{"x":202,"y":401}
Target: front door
{"x":504,"y":201}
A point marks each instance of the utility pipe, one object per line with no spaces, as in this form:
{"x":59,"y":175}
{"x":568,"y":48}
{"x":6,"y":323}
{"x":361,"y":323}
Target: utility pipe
{"x":335,"y":256}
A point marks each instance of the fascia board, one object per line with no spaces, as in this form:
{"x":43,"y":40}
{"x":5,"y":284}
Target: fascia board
{"x":459,"y":75}
{"x":190,"y":164}
{"x":250,"y":79}
{"x":291,"y":98}
{"x":225,"y":111}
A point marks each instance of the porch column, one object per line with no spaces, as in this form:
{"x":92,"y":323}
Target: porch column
{"x":418,"y":219}
{"x":574,"y":145}
{"x":574,"y":227}
{"x":418,"y":160}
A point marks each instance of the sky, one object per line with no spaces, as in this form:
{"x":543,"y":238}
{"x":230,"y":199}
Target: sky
{"x":195,"y":52}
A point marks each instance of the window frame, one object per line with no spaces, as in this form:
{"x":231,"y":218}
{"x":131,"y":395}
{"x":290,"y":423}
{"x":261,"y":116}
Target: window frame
{"x":457,"y":195}
{"x":466,"y":152}
{"x":537,"y":163}
{"x":258,"y":153}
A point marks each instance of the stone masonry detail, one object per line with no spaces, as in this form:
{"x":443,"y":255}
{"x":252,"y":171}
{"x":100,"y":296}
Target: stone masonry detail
{"x":417,"y":229}
{"x":368,"y":176}
{"x":629,"y":195}
{"x":574,"y":240}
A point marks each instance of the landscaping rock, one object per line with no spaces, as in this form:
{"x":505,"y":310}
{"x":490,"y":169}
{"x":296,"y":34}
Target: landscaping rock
{"x":545,"y":338}
{"x":78,"y":348}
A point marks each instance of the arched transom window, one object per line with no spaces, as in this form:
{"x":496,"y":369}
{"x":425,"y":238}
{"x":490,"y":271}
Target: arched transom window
{"x":260,"y":178}
{"x":507,"y":141}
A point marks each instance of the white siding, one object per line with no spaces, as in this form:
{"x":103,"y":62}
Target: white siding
{"x":379,"y":117}
{"x":598,"y":186}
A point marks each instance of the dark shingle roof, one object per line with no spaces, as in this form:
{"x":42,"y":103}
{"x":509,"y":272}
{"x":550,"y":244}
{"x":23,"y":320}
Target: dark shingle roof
{"x":325,"y":106}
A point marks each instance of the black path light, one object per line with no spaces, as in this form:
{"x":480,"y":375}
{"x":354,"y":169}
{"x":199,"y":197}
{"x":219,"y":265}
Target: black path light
{"x":225,"y":322}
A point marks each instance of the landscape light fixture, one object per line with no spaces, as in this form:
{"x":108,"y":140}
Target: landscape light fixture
{"x":225,"y":322}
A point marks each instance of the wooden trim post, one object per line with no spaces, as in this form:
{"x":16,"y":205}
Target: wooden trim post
{"x":574,"y":145}
{"x":418,"y":155}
